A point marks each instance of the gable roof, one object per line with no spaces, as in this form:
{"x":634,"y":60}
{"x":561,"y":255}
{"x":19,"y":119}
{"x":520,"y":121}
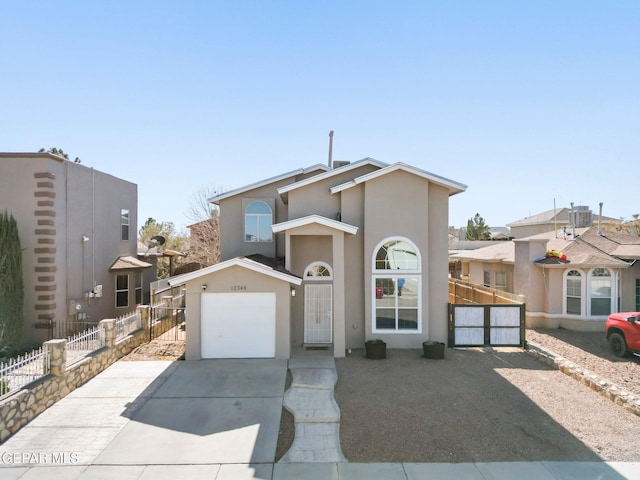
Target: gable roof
{"x":345,"y":168}
{"x":314,"y":219}
{"x":242,"y":262}
{"x":267,"y":181}
{"x":452,"y":186}
{"x":128,"y":262}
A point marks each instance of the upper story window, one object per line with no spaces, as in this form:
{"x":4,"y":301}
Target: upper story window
{"x":258,"y":219}
{"x":396,"y":255}
{"x":124,"y":224}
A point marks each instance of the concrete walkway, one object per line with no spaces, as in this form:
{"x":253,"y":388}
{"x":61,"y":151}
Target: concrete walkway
{"x":214,"y":420}
{"x":316,"y":414}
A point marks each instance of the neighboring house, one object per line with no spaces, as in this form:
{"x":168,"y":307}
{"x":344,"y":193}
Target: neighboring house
{"x":599,"y":276}
{"x":325,"y":257}
{"x":78,"y":231}
{"x":556,"y":219}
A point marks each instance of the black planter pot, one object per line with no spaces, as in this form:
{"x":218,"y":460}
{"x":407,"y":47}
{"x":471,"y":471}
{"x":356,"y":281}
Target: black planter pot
{"x":434,"y":350}
{"x":375,"y":350}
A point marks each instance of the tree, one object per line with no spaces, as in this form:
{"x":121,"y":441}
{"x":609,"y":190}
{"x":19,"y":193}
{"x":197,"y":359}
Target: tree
{"x":59,"y":152}
{"x":477,"y":229}
{"x":204,"y":245}
{"x":174,"y":241}
{"x":11,"y":286}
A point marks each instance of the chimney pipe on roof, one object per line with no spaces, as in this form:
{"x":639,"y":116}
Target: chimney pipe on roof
{"x":573,"y":221}
{"x":330,"y":147}
{"x":600,"y":219}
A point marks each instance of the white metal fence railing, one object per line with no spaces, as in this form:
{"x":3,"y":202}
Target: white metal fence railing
{"x":127,"y":324}
{"x":83,"y":343}
{"x":23,"y":369}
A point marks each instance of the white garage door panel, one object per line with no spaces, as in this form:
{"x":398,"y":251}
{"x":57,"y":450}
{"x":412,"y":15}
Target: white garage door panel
{"x":238,"y":325}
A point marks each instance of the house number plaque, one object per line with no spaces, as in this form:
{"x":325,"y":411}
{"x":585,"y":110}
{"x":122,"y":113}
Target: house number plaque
{"x":237,"y":288}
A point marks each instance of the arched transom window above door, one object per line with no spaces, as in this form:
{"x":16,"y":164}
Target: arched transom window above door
{"x":318,"y":271}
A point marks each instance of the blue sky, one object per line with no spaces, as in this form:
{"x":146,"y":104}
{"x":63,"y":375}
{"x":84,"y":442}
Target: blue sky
{"x":523,"y":101}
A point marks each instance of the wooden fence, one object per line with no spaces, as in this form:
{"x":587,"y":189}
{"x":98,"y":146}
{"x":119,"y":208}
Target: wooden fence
{"x":464,"y":292}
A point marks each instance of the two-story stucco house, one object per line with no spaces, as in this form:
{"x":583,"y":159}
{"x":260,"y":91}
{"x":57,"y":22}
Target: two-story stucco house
{"x":77,"y":227}
{"x":325,"y":257}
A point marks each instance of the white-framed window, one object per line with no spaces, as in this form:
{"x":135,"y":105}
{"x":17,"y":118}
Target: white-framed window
{"x":501,"y":281}
{"x":122,"y":290}
{"x":124,"y":224}
{"x":397,"y":287}
{"x":600,"y":283}
{"x":318,"y":271}
{"x":573,"y":292}
{"x":138,"y":277}
{"x":258,"y":219}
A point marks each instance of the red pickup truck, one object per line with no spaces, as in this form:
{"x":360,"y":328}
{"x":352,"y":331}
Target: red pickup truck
{"x":623,"y":333}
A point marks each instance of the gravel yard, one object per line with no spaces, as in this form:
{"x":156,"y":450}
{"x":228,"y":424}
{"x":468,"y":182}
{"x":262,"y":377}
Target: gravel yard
{"x":590,"y":350}
{"x":477,"y":405}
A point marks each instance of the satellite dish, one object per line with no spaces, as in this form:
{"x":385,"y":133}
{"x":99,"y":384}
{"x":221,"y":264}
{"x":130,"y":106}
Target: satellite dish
{"x":156,"y":241}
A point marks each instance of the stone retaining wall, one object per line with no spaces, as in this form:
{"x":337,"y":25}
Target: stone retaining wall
{"x":597,"y":383}
{"x":25,"y":404}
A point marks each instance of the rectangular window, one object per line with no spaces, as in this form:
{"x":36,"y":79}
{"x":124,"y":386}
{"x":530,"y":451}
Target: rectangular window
{"x":397,"y":304}
{"x":501,"y":281}
{"x":122,"y":291}
{"x":600,"y":296}
{"x":574,"y":294}
{"x":124,"y":224}
{"x":487,"y":279}
{"x":138,"y":288}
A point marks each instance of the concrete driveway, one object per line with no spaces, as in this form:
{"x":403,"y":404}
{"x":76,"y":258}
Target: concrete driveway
{"x":224,"y":412}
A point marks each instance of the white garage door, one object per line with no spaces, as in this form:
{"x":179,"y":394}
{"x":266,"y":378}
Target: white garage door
{"x":238,"y":325}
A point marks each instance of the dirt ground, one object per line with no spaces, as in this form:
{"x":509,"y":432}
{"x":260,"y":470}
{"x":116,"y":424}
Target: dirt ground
{"x":158,"y":350}
{"x":477,"y":405}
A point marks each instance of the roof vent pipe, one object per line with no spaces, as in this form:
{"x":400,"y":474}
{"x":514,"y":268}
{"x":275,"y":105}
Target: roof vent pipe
{"x":330,"y":147}
{"x":600,"y":219}
{"x":573,"y":222}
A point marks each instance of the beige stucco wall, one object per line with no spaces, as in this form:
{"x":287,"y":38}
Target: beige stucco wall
{"x":305,"y":250}
{"x":403,"y":205}
{"x":72,"y":201}
{"x":222,"y":282}
{"x":316,"y":197}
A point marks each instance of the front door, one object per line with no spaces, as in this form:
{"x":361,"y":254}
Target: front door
{"x":318,"y":313}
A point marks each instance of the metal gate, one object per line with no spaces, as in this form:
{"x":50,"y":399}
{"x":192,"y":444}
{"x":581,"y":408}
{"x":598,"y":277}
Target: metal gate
{"x":472,"y":325}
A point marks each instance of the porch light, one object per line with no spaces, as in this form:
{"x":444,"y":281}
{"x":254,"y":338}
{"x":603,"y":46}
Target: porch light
{"x":293,"y":291}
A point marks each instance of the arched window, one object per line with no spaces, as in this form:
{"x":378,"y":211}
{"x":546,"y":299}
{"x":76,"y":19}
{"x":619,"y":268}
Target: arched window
{"x":258,"y":219}
{"x":600,"y":290}
{"x":397,"y":254}
{"x":396,"y":284}
{"x":573,"y":292}
{"x":318,"y":271}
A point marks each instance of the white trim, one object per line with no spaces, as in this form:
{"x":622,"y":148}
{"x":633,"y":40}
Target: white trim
{"x":583,"y":288}
{"x":331,"y":173}
{"x":396,"y":331}
{"x":239,"y":262}
{"x":314,"y":278}
{"x":267,"y":181}
{"x":454,"y":187}
{"x":317,"y":219}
